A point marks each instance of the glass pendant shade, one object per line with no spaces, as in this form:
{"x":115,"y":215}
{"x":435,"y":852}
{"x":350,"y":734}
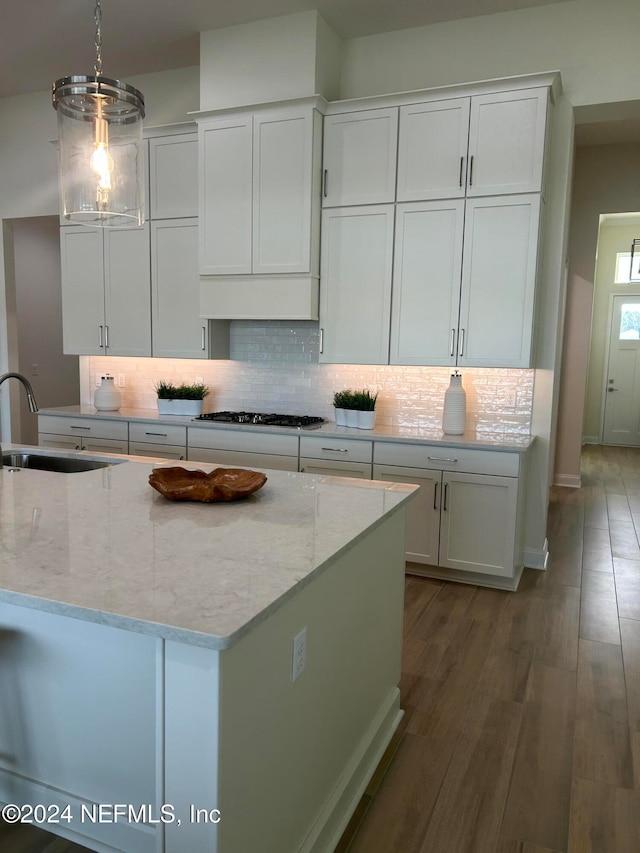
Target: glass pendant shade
{"x":100,"y":149}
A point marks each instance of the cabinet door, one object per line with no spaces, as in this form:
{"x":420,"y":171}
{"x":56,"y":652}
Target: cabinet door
{"x":423,"y":511}
{"x":506,"y":142}
{"x":178,"y":329}
{"x":360,"y":157}
{"x":498,"y":281}
{"x":82,"y":290}
{"x":432,"y":150}
{"x":478,"y":526}
{"x":159,"y":451}
{"x":105,"y":445}
{"x":173,"y":163}
{"x":282,"y":179}
{"x":426,"y":282}
{"x":355,"y":289}
{"x":64,"y":442}
{"x":361,"y":470}
{"x":225,"y":158}
{"x":127,"y":289}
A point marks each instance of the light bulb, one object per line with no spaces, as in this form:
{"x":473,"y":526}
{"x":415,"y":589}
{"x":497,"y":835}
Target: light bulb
{"x":101,"y":161}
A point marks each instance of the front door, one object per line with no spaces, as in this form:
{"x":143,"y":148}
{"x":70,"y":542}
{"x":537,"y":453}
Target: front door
{"x":622,"y":395}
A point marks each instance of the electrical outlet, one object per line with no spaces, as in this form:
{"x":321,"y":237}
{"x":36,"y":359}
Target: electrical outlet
{"x":34,"y":369}
{"x":299,"y":656}
{"x":199,"y":380}
{"x":121,"y":380}
{"x":98,"y":380}
{"x":510,"y":400}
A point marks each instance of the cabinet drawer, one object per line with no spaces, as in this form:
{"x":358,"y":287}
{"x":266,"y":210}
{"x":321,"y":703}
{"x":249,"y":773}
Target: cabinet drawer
{"x":447,"y":458}
{"x":362,"y":470}
{"x":251,"y":441}
{"x":155,"y":433}
{"x":234,"y":458}
{"x":342,"y":449}
{"x":87,"y":427}
{"x":157,"y":451}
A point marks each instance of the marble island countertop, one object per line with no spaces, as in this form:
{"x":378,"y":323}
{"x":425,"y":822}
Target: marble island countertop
{"x":415,"y":434}
{"x":105,"y":547}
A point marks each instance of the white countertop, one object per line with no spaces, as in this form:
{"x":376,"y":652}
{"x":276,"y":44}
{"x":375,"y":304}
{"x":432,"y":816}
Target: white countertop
{"x":105,"y":547}
{"x":413,"y":434}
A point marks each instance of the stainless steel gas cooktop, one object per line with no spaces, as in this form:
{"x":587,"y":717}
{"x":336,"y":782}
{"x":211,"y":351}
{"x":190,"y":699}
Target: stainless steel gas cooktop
{"x":296,"y":421}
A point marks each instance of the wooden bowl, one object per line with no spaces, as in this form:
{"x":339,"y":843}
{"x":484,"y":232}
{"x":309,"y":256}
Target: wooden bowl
{"x":222,"y":484}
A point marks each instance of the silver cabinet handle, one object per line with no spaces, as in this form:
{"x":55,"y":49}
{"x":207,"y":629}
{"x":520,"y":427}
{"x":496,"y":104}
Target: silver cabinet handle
{"x":106,"y":337}
{"x":100,"y":344}
{"x":162,"y":434}
{"x":461,"y":342}
{"x":440,"y":459}
{"x":452,"y":347}
{"x":613,"y":389}
{"x":321,"y":340}
{"x":325,"y":181}
{"x":471,"y":171}
{"x":446,"y":492}
{"x":335,"y":449}
{"x":203,"y":341}
{"x":461,"y":165}
{"x":435,"y":495}
{"x":78,"y":427}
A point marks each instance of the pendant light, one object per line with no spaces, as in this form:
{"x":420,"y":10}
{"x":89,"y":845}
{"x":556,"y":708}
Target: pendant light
{"x":100,"y":146}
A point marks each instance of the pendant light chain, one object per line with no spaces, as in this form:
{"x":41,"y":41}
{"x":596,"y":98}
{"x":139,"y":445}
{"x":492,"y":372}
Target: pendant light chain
{"x":98,"y":20}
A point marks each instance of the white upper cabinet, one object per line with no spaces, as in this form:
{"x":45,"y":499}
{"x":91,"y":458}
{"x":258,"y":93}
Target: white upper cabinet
{"x":226,"y":198}
{"x":355,"y":298}
{"x":360,"y":157}
{"x":105,"y":291}
{"x":258,"y":176}
{"x":432,"y":150}
{"x":506,"y":142}
{"x":498,"y":281}
{"x":173,"y":176}
{"x":478,"y":146}
{"x":178,"y":329}
{"x":426,"y":282}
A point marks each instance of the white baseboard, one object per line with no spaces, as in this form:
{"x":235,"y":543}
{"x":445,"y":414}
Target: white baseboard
{"x":537,"y":558}
{"x":571,"y":481}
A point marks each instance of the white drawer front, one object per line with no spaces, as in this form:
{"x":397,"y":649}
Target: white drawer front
{"x":155,"y":433}
{"x":238,"y":458}
{"x":157,"y":451}
{"x":447,"y":458}
{"x":362,"y":470}
{"x":250,"y":440}
{"x":340,"y":449}
{"x":87,"y":427}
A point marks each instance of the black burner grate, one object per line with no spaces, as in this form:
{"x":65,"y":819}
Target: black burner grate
{"x":296,"y":421}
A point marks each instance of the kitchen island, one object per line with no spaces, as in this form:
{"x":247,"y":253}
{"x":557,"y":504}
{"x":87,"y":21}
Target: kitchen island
{"x":147,"y":654}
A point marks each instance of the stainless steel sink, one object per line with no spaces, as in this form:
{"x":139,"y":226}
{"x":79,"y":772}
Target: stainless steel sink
{"x":62,"y":464}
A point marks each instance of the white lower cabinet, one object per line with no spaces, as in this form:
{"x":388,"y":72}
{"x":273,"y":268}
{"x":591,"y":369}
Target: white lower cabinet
{"x":154,"y":439}
{"x":465,"y":523}
{"x":92,"y":434}
{"x":336,"y":457}
{"x":248,"y":449}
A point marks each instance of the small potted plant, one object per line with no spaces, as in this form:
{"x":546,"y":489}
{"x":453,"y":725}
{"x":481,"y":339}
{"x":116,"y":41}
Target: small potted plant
{"x":180,"y":399}
{"x":355,"y":408}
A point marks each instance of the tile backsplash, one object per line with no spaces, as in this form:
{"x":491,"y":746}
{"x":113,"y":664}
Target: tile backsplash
{"x":274,"y":367}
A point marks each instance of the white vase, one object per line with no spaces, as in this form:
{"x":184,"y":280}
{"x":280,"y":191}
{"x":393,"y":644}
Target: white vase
{"x":341,"y":417}
{"x":180,"y":407}
{"x":107,"y":397}
{"x":366,"y":420}
{"x":454,"y":417}
{"x":351,"y":417}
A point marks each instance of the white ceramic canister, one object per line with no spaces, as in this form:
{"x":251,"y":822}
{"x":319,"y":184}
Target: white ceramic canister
{"x":107,"y":396}
{"x":454,"y":417}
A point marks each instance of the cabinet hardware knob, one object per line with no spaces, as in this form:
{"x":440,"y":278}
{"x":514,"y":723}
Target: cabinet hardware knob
{"x":336,"y":449}
{"x":461,"y":342}
{"x":72,"y":426}
{"x":440,"y":459}
{"x":161,"y":434}
{"x":461,"y":165}
{"x":106,"y":337}
{"x":446,"y":492}
{"x":471,"y":171}
{"x":613,"y":389}
{"x":321,"y":340}
{"x":325,"y":180}
{"x":100,"y":344}
{"x":435,"y":495}
{"x":203,"y":345}
{"x":452,"y":345}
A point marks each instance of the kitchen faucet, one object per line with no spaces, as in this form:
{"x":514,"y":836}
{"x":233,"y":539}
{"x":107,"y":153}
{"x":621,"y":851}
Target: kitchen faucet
{"x":33,"y":406}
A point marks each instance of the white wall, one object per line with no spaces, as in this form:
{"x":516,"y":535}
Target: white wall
{"x":594,"y":44}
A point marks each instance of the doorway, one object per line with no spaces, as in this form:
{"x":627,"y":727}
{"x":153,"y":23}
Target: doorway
{"x":621,"y":422}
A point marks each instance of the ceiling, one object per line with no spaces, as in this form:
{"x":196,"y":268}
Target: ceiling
{"x":42,"y":40}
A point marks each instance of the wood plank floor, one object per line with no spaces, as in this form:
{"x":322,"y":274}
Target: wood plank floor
{"x":521,"y":731}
